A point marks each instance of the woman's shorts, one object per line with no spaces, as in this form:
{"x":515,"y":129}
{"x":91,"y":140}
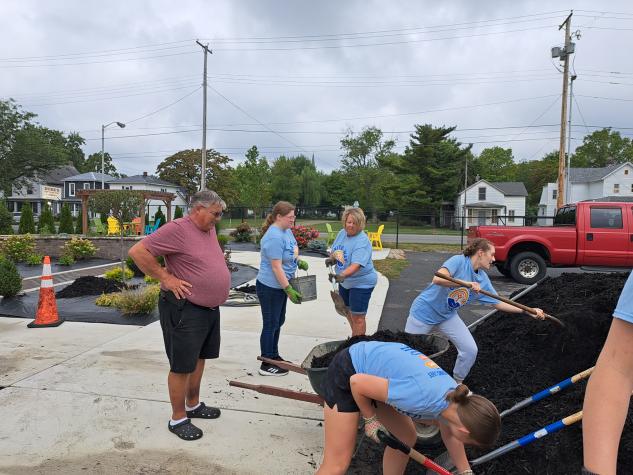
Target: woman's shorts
{"x":336,"y":388}
{"x":356,"y":299}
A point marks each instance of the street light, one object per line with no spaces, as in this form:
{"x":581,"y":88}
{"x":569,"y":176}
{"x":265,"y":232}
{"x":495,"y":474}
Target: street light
{"x":103,"y":127}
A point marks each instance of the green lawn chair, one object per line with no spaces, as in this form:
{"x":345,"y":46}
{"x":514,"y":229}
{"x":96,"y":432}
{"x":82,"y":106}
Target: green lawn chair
{"x":98,"y":225}
{"x":331,"y":235}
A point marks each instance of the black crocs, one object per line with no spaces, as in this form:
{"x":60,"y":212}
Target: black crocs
{"x":185,"y":430}
{"x":204,"y":412}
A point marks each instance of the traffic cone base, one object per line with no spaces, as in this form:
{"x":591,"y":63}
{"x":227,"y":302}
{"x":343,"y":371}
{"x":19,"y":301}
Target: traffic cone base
{"x":46,"y":315}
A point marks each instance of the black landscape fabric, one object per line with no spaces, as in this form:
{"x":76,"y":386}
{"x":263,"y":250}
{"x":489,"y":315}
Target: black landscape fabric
{"x":519,"y":356}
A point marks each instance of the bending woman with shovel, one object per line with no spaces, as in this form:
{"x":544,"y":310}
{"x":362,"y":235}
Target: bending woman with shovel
{"x":391,"y":385}
{"x":436,"y":307}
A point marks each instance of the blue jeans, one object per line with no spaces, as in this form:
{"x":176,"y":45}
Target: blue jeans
{"x":273,"y":304}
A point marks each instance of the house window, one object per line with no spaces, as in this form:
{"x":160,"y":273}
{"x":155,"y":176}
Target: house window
{"x":511,"y":216}
{"x":71,"y":189}
{"x":470,"y":216}
{"x":126,"y":187}
{"x":29,"y":190}
{"x":631,"y":187}
{"x":163,"y":190}
{"x":626,"y":171}
{"x":554,"y":194}
{"x":482,"y":193}
{"x":86,"y":186}
{"x":616,"y":188}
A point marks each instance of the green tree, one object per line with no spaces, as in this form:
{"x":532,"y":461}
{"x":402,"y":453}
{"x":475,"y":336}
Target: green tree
{"x":123,"y":205}
{"x":535,"y":174}
{"x":76,"y":155}
{"x":159,"y":215}
{"x":27,"y":223}
{"x":12,"y":120}
{"x":66,"y":220}
{"x":602,"y":148}
{"x":495,"y":164}
{"x":254,"y":178}
{"x":178,"y":212}
{"x":336,"y":189}
{"x":93,"y":164}
{"x":46,"y":223}
{"x":362,"y":159}
{"x":185,"y":169}
{"x":310,"y":186}
{"x":6,"y":220}
{"x":285,"y":182}
{"x":79,"y":229}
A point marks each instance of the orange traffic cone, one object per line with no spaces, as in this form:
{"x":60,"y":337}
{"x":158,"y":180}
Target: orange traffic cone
{"x":46,"y":315}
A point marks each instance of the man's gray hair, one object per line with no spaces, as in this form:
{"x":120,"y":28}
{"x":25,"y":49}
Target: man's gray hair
{"x":206,"y":198}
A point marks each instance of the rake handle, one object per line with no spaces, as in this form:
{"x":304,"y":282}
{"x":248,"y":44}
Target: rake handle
{"x":525,"y":308}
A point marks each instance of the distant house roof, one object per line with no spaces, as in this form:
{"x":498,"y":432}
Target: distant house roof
{"x":511,"y":188}
{"x":56,"y":176}
{"x":585,"y":175}
{"x":143,"y":179}
{"x":89,"y":176}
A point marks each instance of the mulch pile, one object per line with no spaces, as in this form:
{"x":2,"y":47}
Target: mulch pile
{"x":90,"y":285}
{"x":417,"y":342}
{"x":519,"y":356}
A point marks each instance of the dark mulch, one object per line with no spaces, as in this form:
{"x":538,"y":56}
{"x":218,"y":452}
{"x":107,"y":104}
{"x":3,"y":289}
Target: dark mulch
{"x":417,"y":342}
{"x":90,"y":285}
{"x":247,"y":289}
{"x":519,"y":356}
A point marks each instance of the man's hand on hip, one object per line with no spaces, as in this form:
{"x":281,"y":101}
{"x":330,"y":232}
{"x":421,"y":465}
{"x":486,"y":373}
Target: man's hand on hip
{"x":179,"y":287}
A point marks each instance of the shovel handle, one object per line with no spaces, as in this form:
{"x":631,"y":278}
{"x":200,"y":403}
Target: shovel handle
{"x":525,"y":308}
{"x":391,"y":441}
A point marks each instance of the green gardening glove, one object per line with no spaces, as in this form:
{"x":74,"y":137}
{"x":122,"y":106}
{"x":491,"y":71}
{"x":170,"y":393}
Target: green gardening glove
{"x":293,"y":295}
{"x":303,"y":265}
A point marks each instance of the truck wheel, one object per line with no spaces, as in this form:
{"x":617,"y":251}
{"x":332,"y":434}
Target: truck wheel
{"x":527,"y":268}
{"x":503,"y":269}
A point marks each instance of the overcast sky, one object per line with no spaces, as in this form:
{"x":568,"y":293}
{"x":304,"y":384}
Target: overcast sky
{"x":292,"y":76}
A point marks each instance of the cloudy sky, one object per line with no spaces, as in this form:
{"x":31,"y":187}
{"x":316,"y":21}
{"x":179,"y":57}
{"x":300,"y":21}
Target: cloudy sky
{"x":292,"y":76}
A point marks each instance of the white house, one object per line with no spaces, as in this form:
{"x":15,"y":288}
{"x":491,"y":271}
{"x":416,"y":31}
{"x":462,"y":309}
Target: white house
{"x":84,"y":181}
{"x":486,"y":203}
{"x":608,"y":183}
{"x":152,"y":183}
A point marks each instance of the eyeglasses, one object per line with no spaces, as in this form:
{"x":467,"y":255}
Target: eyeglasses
{"x":217,"y":214}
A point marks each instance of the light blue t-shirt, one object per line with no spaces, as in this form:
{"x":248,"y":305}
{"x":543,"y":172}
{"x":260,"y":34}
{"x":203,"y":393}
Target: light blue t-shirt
{"x":624,"y":308}
{"x":354,"y":250}
{"x":417,"y":386}
{"x":437,"y":303}
{"x":277,"y":244}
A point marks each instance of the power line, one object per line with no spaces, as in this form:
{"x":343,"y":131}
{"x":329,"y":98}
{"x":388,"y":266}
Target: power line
{"x":164,"y":107}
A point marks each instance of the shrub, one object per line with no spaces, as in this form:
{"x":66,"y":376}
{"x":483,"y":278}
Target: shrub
{"x":66,"y":220}
{"x":34,"y":259}
{"x":10,"y":279}
{"x":27,"y":223}
{"x":79,"y":248}
{"x":242,"y":233}
{"x":137,"y":302}
{"x":107,"y":300}
{"x":178,"y":212}
{"x":159,"y":215}
{"x":304,"y":234}
{"x":223,"y":240}
{"x":115,"y":274}
{"x":79,"y":229}
{"x":18,"y":248}
{"x":66,"y":260}
{"x":6,"y":220}
{"x":150,"y":280}
{"x":46,"y":224}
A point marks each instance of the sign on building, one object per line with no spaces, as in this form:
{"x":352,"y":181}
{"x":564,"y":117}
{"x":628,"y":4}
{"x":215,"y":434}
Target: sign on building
{"x":51,"y":193}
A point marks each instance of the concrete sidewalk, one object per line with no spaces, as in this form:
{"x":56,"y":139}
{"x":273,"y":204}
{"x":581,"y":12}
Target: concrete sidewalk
{"x":92,"y":398}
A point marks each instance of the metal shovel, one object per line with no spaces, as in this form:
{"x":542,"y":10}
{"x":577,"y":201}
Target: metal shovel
{"x":339,"y":304}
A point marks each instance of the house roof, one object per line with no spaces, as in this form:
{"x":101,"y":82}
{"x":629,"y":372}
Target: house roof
{"x":142,"y":180}
{"x":585,"y":175}
{"x":484,"y":204}
{"x":511,"y":188}
{"x":57,"y":175}
{"x":89,"y":176}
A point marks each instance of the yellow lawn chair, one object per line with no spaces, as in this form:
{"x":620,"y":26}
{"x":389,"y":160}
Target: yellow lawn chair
{"x":113,"y":226}
{"x":376,"y":242}
{"x":331,"y":235}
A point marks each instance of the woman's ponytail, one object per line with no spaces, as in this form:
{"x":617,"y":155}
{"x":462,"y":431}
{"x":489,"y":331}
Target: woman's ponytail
{"x":478,"y":415}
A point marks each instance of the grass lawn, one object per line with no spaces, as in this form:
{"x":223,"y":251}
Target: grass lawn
{"x":419,"y":247}
{"x":391,"y":268}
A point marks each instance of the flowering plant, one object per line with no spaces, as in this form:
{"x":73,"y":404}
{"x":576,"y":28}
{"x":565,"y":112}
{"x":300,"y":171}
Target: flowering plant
{"x":304,"y":234}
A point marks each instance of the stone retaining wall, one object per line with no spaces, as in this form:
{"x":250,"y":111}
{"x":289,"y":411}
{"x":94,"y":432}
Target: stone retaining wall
{"x":108,"y":247}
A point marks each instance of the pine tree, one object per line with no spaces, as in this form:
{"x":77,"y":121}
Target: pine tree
{"x":27,"y":223}
{"x":79,"y":229}
{"x":159,"y":214}
{"x":178,"y":212}
{"x":46,"y":223}
{"x":66,"y":220}
{"x":6,"y":220}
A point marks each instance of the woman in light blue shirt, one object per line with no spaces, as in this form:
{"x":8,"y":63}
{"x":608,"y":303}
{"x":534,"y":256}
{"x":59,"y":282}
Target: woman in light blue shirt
{"x":436,"y":307}
{"x":351,"y":255}
{"x":392,"y":385}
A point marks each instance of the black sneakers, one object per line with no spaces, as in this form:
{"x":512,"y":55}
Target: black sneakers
{"x":267,"y":369}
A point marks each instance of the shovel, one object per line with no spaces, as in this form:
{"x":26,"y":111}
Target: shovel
{"x":397,"y":444}
{"x":525,"y":308}
{"x":339,"y":304}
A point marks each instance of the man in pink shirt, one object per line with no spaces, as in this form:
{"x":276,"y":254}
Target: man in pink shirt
{"x":194,"y":283}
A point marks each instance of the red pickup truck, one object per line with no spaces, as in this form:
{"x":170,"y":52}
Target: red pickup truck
{"x":592,"y":234}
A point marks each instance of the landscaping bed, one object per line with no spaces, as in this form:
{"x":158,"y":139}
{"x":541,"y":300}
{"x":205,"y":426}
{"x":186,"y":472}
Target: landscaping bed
{"x":519,"y":356}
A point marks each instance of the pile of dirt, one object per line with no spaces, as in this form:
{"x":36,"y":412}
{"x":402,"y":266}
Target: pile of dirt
{"x":90,"y":285}
{"x":417,"y":342}
{"x":519,"y":356}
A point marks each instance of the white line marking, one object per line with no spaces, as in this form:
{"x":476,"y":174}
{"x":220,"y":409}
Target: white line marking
{"x":74,"y":270}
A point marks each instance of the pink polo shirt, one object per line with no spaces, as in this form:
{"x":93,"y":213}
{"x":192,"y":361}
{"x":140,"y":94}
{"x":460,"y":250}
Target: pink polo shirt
{"x":195,"y":256}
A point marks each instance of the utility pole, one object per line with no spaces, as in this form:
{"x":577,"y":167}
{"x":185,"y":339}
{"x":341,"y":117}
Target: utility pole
{"x":203,"y":176}
{"x":464,"y":208}
{"x":567,"y":176}
{"x":564,"y":55}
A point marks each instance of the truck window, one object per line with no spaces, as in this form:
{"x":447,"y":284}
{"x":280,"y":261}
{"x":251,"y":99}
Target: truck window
{"x":608,"y":218}
{"x":565,"y":216}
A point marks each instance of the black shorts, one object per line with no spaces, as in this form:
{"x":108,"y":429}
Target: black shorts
{"x":336,"y":388}
{"x":190,"y":332}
